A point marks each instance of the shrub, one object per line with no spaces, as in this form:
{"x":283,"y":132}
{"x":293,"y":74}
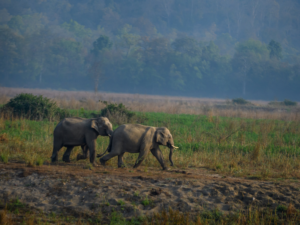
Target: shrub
{"x":275,"y":103}
{"x":289,"y":102}
{"x":240,"y":101}
{"x":34,"y":107}
{"x":117,"y":113}
{"x":114,"y":108}
{"x":286,"y":102}
{"x":281,"y":208}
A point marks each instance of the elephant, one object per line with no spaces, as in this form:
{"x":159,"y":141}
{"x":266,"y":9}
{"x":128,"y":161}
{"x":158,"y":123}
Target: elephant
{"x":136,"y":138}
{"x":75,"y":131}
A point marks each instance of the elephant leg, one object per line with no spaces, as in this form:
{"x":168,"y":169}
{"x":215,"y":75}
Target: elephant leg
{"x":84,"y":149}
{"x":56,"y":147}
{"x":91,"y":146}
{"x":159,"y":156}
{"x":115,"y":150}
{"x":108,"y":157}
{"x":141,"y":158}
{"x":66,"y":156}
{"x":120,"y":161}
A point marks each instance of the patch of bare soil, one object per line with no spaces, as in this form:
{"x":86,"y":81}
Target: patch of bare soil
{"x":72,"y":189}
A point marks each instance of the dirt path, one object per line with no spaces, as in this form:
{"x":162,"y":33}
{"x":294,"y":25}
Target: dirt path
{"x":75,"y":190}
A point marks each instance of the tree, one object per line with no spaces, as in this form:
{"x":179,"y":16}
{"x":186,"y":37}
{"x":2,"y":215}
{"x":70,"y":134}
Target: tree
{"x":28,"y":24}
{"x":128,"y":40}
{"x":275,"y":50}
{"x":76,"y":28}
{"x":11,"y":52}
{"x":247,"y":54}
{"x":101,"y":44}
{"x":187,"y":45}
{"x":4,"y":16}
{"x":98,"y":59}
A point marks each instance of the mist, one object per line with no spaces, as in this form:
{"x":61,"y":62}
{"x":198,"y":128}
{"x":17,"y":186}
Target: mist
{"x":217,"y":49}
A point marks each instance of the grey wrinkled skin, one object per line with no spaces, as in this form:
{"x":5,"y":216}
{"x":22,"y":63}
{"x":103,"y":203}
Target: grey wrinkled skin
{"x":135,"y":138}
{"x":75,"y":131}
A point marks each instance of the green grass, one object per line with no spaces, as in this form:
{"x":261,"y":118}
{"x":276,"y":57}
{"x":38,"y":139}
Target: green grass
{"x":215,"y":142}
{"x":121,"y":203}
{"x":193,"y":132}
{"x":146,"y":201}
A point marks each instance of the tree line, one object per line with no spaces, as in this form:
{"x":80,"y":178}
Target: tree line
{"x":192,"y":48}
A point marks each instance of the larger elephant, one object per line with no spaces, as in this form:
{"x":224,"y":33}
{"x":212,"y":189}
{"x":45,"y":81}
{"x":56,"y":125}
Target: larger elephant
{"x":74,"y":131}
{"x":135,"y":138}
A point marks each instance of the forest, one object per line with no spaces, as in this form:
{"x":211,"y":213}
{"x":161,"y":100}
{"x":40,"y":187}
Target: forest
{"x":199,"y":48}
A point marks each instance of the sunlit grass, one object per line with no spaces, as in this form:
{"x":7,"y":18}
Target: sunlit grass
{"x":233,"y":146}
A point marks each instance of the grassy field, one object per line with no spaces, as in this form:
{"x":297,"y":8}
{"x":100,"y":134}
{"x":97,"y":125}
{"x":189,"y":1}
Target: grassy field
{"x":259,"y":145}
{"x":234,"y":146}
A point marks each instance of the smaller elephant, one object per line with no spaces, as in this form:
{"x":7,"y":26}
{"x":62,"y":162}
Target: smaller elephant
{"x":74,"y":131}
{"x":135,"y":138}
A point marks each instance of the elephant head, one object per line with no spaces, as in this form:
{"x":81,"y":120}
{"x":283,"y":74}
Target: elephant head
{"x":164,"y":137}
{"x":102,"y":126}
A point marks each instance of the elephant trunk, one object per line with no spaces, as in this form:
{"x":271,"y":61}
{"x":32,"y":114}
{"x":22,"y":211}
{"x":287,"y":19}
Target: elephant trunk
{"x":170,"y":156}
{"x":172,"y":147}
{"x":109,"y":132}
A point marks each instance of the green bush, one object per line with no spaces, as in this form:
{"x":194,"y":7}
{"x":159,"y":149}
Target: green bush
{"x":34,"y":107}
{"x":275,"y":103}
{"x":117,"y":113}
{"x":286,"y":102}
{"x":113,"y":108}
{"x":240,"y":101}
{"x":281,"y":209}
{"x":289,"y":102}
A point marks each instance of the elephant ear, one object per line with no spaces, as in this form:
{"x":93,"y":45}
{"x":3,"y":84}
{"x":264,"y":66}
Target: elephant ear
{"x":160,"y":137}
{"x":95,"y":126}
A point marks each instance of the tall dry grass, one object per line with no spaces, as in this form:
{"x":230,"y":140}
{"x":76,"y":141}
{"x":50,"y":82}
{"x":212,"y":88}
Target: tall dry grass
{"x":165,"y":104}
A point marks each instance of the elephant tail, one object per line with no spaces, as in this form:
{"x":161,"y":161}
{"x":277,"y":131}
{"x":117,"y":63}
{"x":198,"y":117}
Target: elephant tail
{"x":108,"y":148}
{"x":100,"y":155}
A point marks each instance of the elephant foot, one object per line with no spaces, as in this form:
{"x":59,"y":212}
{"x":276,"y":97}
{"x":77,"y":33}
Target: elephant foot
{"x":122,"y":166}
{"x":54,"y":159}
{"x":95,"y":164}
{"x":67,"y":160}
{"x":136,"y":166}
{"x":79,"y":156}
{"x":102,"y":162}
{"x":166,"y":168}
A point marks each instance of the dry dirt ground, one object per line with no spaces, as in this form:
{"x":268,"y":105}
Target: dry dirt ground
{"x":75,"y":189}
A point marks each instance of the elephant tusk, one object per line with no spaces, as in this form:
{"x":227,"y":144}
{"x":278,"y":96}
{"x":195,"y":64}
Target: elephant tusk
{"x":173,"y":146}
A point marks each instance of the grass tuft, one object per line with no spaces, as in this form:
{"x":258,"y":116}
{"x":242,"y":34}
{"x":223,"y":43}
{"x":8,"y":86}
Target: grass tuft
{"x":3,"y":138}
{"x":146,"y":201}
{"x":256,"y":152}
{"x":39,"y":161}
{"x":4,"y":157}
